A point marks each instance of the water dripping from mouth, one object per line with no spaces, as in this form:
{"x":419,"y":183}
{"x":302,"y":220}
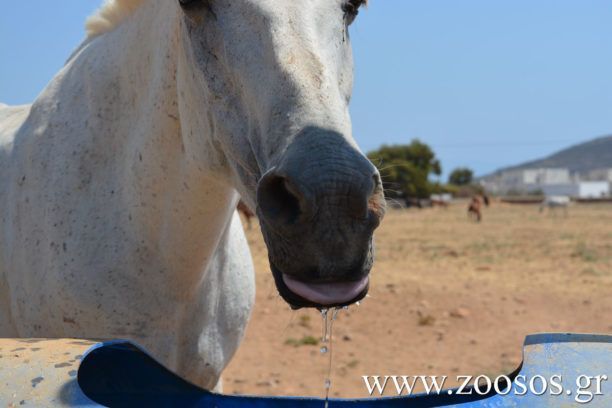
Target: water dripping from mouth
{"x":324,"y":315}
{"x":327,"y":341}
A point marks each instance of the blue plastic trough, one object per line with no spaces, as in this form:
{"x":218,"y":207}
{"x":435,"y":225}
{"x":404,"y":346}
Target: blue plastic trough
{"x":81,"y":373}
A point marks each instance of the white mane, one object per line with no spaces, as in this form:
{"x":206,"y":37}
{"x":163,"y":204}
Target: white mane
{"x":110,"y":15}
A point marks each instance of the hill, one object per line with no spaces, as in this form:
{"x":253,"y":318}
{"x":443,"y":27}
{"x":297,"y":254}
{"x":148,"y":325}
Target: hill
{"x":581,"y":158}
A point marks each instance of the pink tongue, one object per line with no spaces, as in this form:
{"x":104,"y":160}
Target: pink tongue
{"x":326,"y":293}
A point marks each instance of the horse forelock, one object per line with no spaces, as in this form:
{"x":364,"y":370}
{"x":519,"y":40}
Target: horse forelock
{"x":113,"y":12}
{"x":110,"y":15}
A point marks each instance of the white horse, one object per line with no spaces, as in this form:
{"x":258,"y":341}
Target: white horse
{"x":555,"y":202}
{"x":118,"y":185}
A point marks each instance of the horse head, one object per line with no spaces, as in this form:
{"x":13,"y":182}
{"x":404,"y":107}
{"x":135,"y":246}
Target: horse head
{"x":272,"y":81}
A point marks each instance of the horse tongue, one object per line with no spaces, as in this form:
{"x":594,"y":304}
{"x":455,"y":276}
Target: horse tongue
{"x":326,"y":294}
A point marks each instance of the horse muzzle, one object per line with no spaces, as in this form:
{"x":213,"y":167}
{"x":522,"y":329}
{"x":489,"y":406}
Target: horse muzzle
{"x":318,"y":208}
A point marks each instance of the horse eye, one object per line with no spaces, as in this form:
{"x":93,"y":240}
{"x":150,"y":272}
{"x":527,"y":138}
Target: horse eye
{"x":351,"y":9}
{"x":195,"y":5}
{"x":188,"y":4}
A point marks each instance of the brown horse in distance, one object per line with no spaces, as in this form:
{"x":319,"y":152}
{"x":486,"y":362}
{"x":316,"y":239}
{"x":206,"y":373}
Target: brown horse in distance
{"x":475,"y":209}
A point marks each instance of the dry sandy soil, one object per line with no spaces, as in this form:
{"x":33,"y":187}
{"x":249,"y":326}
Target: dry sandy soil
{"x":448,"y":297}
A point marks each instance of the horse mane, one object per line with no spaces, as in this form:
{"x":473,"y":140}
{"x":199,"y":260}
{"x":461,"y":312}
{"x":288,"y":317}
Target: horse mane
{"x":113,"y":12}
{"x":110,"y":15}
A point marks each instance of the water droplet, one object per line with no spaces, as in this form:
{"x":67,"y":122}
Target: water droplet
{"x":326,"y":325}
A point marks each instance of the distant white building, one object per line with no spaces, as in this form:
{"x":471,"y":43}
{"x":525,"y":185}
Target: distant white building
{"x":527,"y":180}
{"x":593,"y":189}
{"x":598,"y":179}
{"x":581,"y":189}
{"x":546,"y":176}
{"x":552,"y":182}
{"x":599,"y":175}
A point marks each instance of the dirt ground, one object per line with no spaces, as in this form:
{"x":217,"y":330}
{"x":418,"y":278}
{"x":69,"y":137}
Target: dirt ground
{"x":448,"y":297}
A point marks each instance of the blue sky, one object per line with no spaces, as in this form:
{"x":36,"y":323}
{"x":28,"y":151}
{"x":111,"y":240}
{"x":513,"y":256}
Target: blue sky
{"x":486,"y":83}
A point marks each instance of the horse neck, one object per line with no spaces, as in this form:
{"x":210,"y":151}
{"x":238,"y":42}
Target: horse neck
{"x":123,"y":85}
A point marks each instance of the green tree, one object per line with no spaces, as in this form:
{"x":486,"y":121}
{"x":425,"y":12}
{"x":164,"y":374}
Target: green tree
{"x":461,"y":176}
{"x":405,"y":169}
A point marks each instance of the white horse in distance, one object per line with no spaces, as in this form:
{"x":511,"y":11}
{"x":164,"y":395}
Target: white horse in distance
{"x":119,"y":184}
{"x":553,"y":203}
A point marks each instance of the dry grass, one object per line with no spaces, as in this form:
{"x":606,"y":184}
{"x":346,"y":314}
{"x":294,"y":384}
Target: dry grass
{"x":448,"y":297}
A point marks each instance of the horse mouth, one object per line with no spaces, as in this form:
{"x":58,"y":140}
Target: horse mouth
{"x":300,"y":294}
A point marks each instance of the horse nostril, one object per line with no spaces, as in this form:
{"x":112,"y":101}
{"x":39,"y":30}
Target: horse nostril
{"x":279,"y":201}
{"x":376,"y":201}
{"x":365,"y":198}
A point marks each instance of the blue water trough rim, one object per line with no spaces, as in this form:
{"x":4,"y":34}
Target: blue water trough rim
{"x":533,"y":339}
